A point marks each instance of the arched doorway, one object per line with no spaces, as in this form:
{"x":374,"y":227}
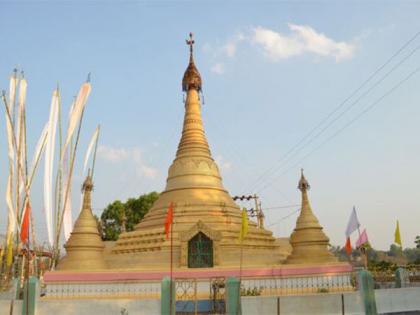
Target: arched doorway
{"x":200,"y":251}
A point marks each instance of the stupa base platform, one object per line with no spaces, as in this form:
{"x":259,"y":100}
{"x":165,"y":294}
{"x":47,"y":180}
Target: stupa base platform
{"x":277,"y":280}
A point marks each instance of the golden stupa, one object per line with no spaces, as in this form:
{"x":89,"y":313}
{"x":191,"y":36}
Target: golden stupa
{"x":84,"y":247}
{"x":206,"y":219}
{"x":309,"y":242}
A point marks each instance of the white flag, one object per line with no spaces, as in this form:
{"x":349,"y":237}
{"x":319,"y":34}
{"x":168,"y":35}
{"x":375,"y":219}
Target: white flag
{"x":90,"y":147}
{"x":20,"y":134}
{"x":36,"y":157}
{"x":49,"y":163}
{"x":76,"y":112}
{"x":353,"y":224}
{"x":38,"y":149}
{"x":12,"y":93}
{"x":67,"y":215}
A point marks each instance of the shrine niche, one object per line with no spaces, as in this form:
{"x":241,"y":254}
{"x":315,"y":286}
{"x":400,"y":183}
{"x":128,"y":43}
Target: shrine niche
{"x":200,"y":247}
{"x":200,"y":251}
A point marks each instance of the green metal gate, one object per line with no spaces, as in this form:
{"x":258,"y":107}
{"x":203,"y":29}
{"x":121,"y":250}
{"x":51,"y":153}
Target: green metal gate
{"x":200,"y":251}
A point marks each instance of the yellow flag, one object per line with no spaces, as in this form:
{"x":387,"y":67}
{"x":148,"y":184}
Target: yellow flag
{"x":9,"y":254}
{"x":397,"y":235}
{"x":244,"y":225}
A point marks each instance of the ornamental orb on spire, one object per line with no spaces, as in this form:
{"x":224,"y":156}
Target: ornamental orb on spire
{"x":303,"y":183}
{"x":192,"y":78}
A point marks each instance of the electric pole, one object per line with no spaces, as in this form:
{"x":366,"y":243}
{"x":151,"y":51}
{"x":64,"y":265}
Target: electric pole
{"x":253,"y":212}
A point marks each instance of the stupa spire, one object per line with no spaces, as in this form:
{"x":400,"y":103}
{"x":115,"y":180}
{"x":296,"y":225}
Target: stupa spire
{"x":307,"y":217}
{"x":309,"y":242}
{"x":84,"y":246}
{"x":193,"y":140}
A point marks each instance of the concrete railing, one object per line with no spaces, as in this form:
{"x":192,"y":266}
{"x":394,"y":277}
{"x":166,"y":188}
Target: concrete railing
{"x":298,"y":285}
{"x":137,"y":290}
{"x":250,"y":286}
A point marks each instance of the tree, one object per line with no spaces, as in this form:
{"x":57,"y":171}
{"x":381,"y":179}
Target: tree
{"x":412,"y":254}
{"x":119,"y":216}
{"x":395,"y":251}
{"x":417,"y":241}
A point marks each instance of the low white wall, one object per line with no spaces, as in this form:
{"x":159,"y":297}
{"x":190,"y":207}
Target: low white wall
{"x":6,"y":304}
{"x":397,"y":300}
{"x":103,"y":307}
{"x":329,"y":303}
{"x":387,"y":301}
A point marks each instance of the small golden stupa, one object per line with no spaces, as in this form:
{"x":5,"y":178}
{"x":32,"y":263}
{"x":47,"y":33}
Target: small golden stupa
{"x":206,"y":221}
{"x":309,"y":242}
{"x":84,"y":247}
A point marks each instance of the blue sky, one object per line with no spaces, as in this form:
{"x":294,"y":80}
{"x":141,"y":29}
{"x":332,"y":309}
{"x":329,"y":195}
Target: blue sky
{"x":271,"y":71}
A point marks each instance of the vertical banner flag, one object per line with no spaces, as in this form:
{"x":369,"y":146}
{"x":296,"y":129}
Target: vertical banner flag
{"x":76,"y":111}
{"x":90,"y":147}
{"x":169,"y":219}
{"x":49,"y":164}
{"x":397,"y":234}
{"x":363,"y":239}
{"x":11,"y":225}
{"x":24,"y":228}
{"x":67,"y":215}
{"x":244,"y":225}
{"x":20,"y":137}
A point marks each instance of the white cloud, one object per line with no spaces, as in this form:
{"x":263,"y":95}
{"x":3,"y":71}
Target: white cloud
{"x":223,"y":164}
{"x":124,"y":155}
{"x":230,"y":49}
{"x":218,"y":68}
{"x":112,"y":154}
{"x":302,"y":39}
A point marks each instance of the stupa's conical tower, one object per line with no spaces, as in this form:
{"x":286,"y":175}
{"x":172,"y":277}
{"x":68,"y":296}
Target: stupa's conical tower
{"x":84,"y":247}
{"x":309,"y":242}
{"x":206,"y":219}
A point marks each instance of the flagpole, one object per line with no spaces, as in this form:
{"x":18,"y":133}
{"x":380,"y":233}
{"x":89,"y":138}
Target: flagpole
{"x":240,"y":279}
{"x":171,"y":271}
{"x":27,"y":275}
{"x":363,"y":251}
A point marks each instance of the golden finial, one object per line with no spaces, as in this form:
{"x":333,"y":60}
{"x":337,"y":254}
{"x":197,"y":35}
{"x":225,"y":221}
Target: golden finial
{"x":303,"y":183}
{"x":190,"y":42}
{"x":87,"y":184}
{"x":192,"y":78}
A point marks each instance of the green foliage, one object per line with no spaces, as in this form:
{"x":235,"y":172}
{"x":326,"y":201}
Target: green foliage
{"x":395,"y":251}
{"x":129,"y":212}
{"x":382,"y":266}
{"x":412,"y":254}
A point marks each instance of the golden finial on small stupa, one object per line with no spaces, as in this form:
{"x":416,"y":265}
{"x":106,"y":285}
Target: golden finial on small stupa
{"x":303,"y":183}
